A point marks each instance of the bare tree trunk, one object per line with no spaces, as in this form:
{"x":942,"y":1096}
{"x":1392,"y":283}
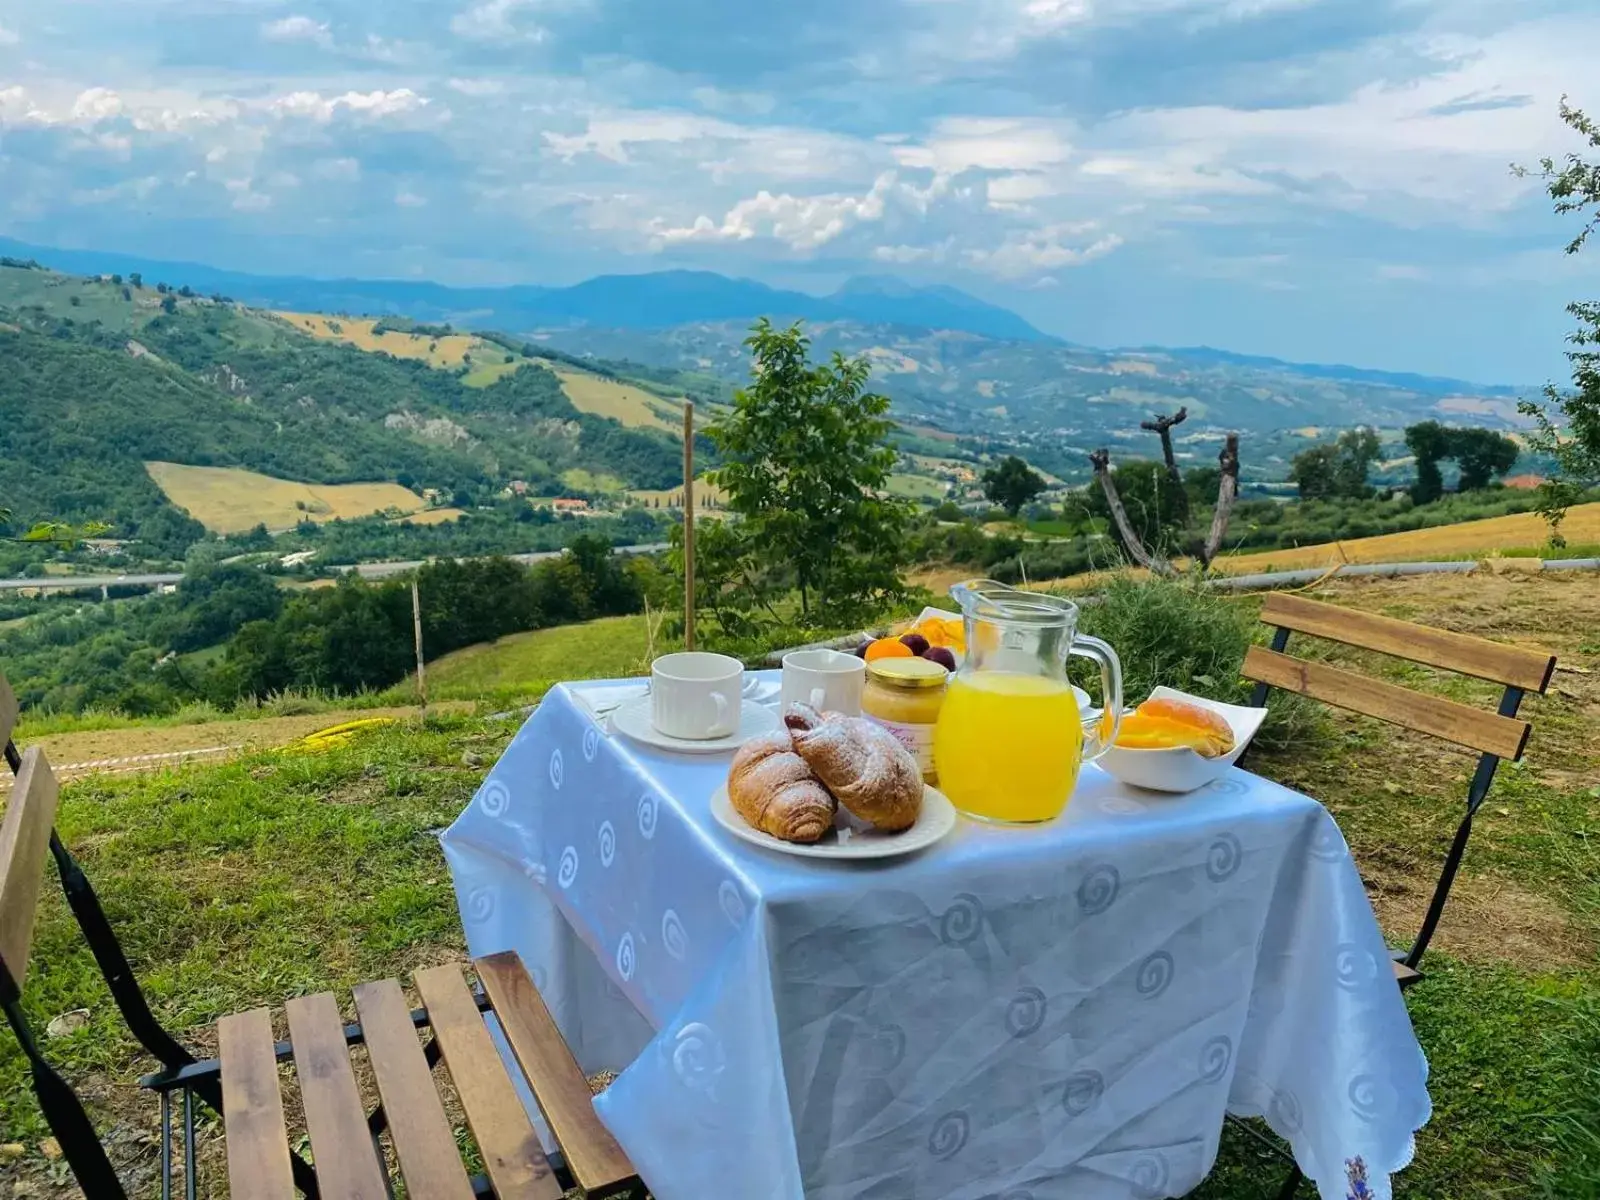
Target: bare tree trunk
{"x":1161,"y":425}
{"x":1227,"y":493}
{"x":1101,"y":461}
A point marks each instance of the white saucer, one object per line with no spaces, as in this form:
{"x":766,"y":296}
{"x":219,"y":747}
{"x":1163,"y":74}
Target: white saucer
{"x":633,"y":719}
{"x":938,"y":818}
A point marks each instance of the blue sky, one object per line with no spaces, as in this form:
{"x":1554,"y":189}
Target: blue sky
{"x":1317,"y":179}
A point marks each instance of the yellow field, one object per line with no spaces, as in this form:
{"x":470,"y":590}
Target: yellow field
{"x":918,"y":487}
{"x":491,"y":373}
{"x":631,"y":406}
{"x":445,"y":352}
{"x":232,"y":500}
{"x":1520,"y":531}
{"x":581,"y":479}
{"x":433,"y":516}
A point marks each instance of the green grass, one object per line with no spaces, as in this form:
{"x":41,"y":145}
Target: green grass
{"x":524,"y":666}
{"x":36,"y":723}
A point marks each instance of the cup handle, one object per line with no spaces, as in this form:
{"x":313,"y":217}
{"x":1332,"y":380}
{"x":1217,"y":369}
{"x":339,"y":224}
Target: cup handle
{"x":721,"y":702}
{"x":1100,"y":731}
{"x":818,"y":695}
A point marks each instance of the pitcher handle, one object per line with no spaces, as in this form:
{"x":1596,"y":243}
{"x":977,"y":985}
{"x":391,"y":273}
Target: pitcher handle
{"x":1100,"y":731}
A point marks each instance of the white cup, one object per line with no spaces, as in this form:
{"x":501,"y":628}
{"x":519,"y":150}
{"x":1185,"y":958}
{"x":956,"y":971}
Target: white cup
{"x":695,"y":695}
{"x":827,"y":680}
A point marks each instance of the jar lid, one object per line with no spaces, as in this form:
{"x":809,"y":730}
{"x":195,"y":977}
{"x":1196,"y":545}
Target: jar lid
{"x":908,"y":672}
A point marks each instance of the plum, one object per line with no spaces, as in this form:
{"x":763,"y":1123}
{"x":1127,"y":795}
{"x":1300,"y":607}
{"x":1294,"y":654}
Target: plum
{"x":861,"y":650}
{"x":915,"y":643}
{"x":942,"y":655}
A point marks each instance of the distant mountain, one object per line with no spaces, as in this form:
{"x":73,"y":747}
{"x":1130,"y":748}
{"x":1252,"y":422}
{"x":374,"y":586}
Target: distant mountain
{"x":1430,"y":384}
{"x":657,"y":300}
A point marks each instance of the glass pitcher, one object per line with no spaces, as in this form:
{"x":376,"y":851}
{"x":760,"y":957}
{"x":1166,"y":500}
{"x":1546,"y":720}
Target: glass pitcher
{"x":1011,"y":737}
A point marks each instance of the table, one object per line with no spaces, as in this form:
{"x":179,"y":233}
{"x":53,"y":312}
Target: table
{"x":1014,"y":1014}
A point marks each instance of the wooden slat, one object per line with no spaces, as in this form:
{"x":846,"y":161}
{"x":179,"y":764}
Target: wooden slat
{"x":8,"y":710}
{"x":423,"y":1141}
{"x":595,"y":1159}
{"x":511,"y":1152}
{"x":1458,"y":723}
{"x":1405,"y":976}
{"x":347,"y":1164}
{"x":258,"y":1146}
{"x":24,"y":841}
{"x":1482,"y":659}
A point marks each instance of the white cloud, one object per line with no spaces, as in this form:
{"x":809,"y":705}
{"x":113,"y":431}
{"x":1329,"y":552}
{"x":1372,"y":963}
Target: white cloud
{"x":298,"y":29}
{"x":96,"y":104}
{"x":998,"y":144}
{"x":322,"y":108}
{"x":8,"y":37}
{"x":477,"y":87}
{"x":1032,"y":252}
{"x":409,"y":199}
{"x":802,"y":222}
{"x":496,"y":20}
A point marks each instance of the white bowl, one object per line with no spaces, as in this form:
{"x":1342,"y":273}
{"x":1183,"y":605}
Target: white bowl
{"x":1178,"y":768}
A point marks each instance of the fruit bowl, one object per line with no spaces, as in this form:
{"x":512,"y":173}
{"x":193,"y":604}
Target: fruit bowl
{"x":1178,"y":768}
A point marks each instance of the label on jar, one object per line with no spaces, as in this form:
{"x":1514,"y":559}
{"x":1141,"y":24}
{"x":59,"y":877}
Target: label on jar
{"x":916,"y":738}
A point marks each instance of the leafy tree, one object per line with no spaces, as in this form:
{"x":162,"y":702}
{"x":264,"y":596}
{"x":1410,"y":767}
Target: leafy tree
{"x":1012,"y":484}
{"x":1338,"y":468}
{"x":1481,"y":454}
{"x":168,"y":304}
{"x":136,"y":279}
{"x":806,"y":462}
{"x":1572,"y":435}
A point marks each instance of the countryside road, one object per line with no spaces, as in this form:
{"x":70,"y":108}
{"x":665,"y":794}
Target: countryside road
{"x":377,"y":570}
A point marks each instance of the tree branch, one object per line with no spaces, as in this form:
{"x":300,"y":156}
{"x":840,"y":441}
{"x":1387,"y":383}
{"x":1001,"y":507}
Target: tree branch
{"x":1101,"y":461}
{"x":1227,"y":493}
{"x":1161,"y":425}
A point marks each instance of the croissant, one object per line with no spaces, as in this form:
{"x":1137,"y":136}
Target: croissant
{"x":861,"y":763}
{"x":772,"y":788}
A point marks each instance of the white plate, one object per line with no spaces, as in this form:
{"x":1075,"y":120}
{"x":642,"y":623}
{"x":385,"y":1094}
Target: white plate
{"x":1178,"y":768}
{"x":633,"y":719}
{"x":938,"y":818}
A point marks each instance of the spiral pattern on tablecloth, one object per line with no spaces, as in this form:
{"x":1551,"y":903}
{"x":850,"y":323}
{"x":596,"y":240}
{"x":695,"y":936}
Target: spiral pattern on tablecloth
{"x":731,"y":900}
{"x":556,"y":769}
{"x":480,"y":904}
{"x":1098,"y":890}
{"x":495,"y":798}
{"x":1223,"y":858}
{"x":1354,"y":966}
{"x":608,"y":843}
{"x":1154,"y":975}
{"x":626,"y":962}
{"x":591,"y":743}
{"x":1149,"y":1176}
{"x":961,"y":921}
{"x":1026,"y":1012}
{"x":673,"y":935}
{"x":949,"y":1135}
{"x":1215,"y":1058}
{"x":1371,"y":1097}
{"x":1284,"y":1113}
{"x":1329,"y":844}
{"x":567,"y":871}
{"x":1082,"y":1092}
{"x":698,"y":1057}
{"x":647,"y":816}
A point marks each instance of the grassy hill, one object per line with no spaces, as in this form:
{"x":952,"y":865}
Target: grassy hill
{"x":523,"y":667}
{"x":232,"y":500}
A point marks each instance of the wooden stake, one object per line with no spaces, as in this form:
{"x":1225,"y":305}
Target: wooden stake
{"x":416,"y":625}
{"x":688,"y":525}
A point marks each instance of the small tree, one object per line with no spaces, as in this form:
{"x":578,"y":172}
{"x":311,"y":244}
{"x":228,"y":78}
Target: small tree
{"x":1012,"y":484}
{"x":136,"y":279}
{"x":1336,"y":469}
{"x":1568,"y":422}
{"x":806,"y":465}
{"x":1481,"y":454}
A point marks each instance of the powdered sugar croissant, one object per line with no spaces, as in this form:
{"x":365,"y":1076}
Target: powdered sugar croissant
{"x":773,"y":789}
{"x":861,"y":763}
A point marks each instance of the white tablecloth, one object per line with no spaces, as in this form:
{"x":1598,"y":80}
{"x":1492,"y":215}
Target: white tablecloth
{"x":1014,"y":1014}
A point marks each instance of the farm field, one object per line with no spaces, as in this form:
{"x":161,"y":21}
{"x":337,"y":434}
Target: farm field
{"x":917,"y":487}
{"x":444,"y":352}
{"x":582,"y":479}
{"x":1519,"y":531}
{"x":631,"y":406}
{"x":703,"y":487}
{"x":433,"y":516}
{"x":231,"y":499}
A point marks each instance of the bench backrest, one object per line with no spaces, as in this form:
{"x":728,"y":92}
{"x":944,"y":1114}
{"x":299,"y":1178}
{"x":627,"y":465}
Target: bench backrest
{"x":1499,"y":734}
{"x":24,"y":840}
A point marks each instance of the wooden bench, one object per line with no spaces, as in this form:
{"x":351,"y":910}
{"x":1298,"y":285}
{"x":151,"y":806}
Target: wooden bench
{"x":244,"y":1082}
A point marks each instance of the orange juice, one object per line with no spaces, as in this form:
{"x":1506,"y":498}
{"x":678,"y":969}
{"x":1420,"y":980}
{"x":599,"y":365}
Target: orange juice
{"x":1008,"y":746}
